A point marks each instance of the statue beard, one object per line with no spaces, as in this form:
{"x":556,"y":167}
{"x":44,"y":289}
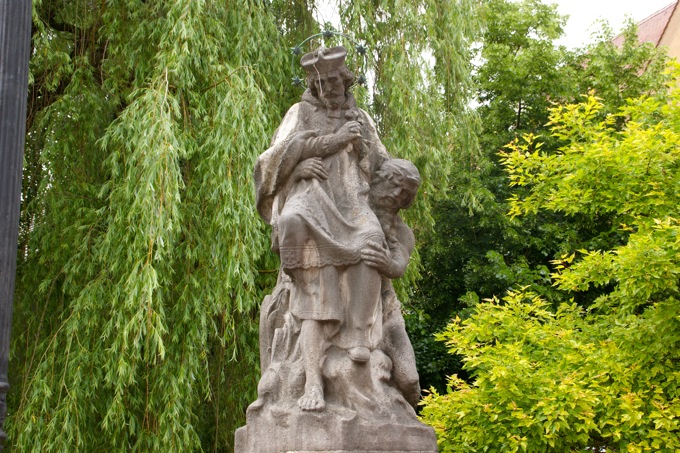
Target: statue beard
{"x":332,"y":100}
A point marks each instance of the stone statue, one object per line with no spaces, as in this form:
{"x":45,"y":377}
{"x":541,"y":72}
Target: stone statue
{"x":338,"y":370}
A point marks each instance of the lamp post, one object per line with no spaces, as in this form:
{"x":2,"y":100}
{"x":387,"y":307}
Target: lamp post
{"x":15,"y":37}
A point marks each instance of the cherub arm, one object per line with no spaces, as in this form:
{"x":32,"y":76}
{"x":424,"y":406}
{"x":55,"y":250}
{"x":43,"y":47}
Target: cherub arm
{"x":391,"y":259}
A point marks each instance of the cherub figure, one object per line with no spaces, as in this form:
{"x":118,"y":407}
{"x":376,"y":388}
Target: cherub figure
{"x":394,"y":188}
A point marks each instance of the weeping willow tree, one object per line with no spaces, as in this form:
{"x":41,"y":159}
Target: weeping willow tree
{"x":141,"y":259}
{"x":421,"y":54}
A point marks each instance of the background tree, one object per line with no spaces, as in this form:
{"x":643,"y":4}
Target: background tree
{"x":142,"y":261}
{"x":477,"y":251}
{"x":571,"y":379}
{"x":138,"y":274}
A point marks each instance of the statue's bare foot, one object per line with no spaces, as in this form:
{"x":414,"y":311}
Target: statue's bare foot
{"x":359,"y":354}
{"x":312,"y":400}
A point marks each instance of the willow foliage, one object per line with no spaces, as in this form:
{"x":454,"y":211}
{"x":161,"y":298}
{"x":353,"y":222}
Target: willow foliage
{"x":420,"y":61}
{"x":142,"y":260}
{"x":420,"y":56}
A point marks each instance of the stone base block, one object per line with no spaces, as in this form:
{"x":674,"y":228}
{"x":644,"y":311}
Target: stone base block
{"x":303,"y":432}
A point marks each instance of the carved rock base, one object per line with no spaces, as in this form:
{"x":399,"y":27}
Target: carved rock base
{"x":331,"y":431}
{"x":364,"y":411}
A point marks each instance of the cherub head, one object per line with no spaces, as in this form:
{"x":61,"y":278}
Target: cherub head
{"x":395,"y":185}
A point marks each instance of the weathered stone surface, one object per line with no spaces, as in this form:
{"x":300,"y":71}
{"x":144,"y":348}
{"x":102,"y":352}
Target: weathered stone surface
{"x":338,"y":368}
{"x":332,"y":430}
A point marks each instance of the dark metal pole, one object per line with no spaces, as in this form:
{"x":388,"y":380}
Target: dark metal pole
{"x":15,"y":39}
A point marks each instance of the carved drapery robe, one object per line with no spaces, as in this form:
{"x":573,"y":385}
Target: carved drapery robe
{"x":335,"y":212}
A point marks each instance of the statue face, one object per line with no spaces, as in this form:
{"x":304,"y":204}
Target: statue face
{"x":331,"y":89}
{"x":389,"y":193}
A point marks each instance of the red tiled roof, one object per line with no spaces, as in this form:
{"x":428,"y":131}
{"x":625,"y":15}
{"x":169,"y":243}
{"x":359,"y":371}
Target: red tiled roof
{"x":652,"y":28}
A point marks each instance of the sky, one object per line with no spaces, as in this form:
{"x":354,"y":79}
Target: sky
{"x":584,"y":13}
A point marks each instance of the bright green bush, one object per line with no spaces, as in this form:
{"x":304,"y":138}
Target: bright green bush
{"x":569,"y":379}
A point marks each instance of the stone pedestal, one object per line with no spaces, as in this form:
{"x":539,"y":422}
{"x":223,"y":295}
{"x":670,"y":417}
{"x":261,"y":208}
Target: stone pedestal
{"x":331,"y":432}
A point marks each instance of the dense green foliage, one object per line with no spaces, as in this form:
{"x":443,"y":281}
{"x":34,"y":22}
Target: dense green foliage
{"x":137,"y":284}
{"x":142,"y":260}
{"x":605,"y":378}
{"x":478,"y":251}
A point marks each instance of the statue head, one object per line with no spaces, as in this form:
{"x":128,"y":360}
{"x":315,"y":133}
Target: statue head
{"x":328,"y":78}
{"x":395,"y":185}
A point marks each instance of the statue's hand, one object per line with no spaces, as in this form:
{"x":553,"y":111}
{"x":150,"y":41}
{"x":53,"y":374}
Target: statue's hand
{"x":349,"y":132}
{"x":310,"y":168}
{"x":377,"y":256}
